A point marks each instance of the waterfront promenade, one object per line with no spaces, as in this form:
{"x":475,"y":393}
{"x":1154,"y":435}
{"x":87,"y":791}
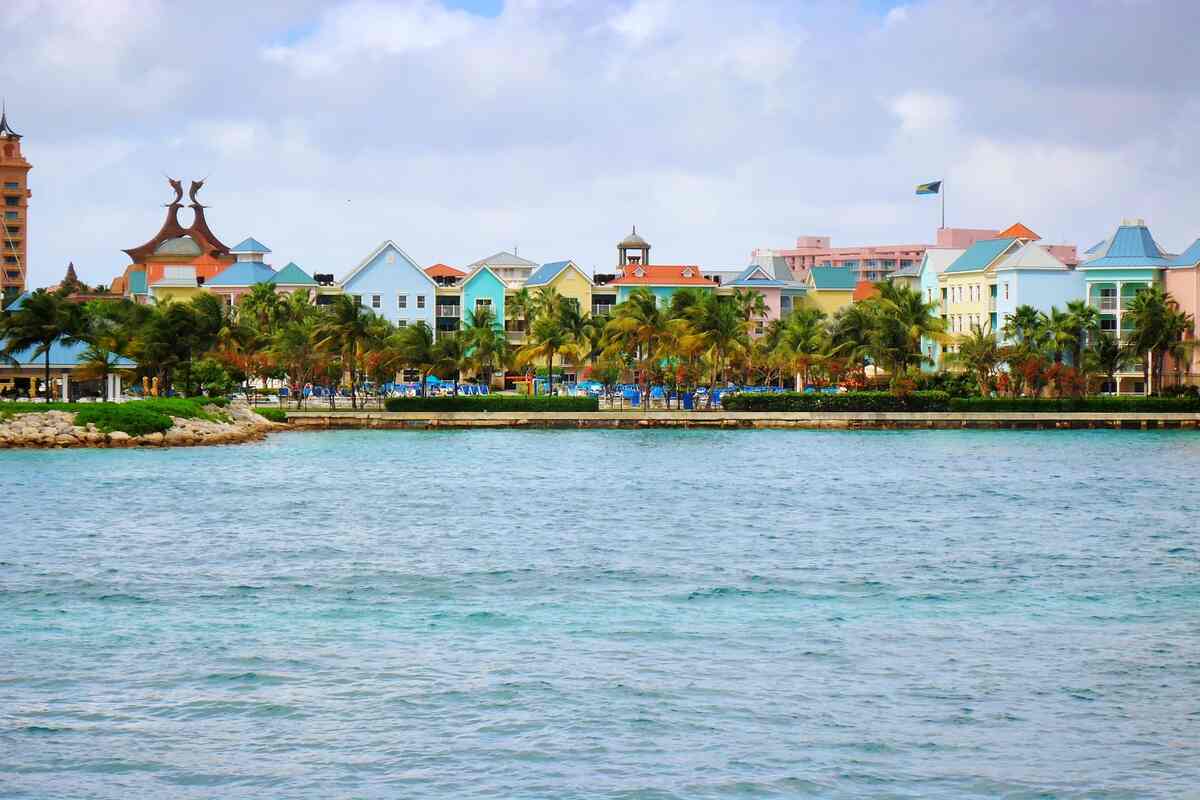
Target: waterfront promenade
{"x":400,"y":420}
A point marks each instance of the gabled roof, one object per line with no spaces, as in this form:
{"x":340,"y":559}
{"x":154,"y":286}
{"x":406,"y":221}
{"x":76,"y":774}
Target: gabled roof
{"x":18,"y":303}
{"x":374,"y":253}
{"x":937,"y":259}
{"x":833,"y":279}
{"x":503,"y":259}
{"x":1189,"y":257}
{"x":1030,"y":256}
{"x":980,"y":255}
{"x":475,"y":273}
{"x":548,"y":272}
{"x":662,"y":275}
{"x":1131,"y":246}
{"x":250,"y":245}
{"x":440,"y":270}
{"x":242,"y":273}
{"x":1018,"y":231}
{"x":291,"y":275}
{"x":756,"y":275}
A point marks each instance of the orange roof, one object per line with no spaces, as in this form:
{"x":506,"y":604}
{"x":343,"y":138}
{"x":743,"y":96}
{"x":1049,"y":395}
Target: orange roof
{"x":864,"y":290}
{"x":662,"y":275}
{"x":443,"y":271}
{"x":1017,"y":231}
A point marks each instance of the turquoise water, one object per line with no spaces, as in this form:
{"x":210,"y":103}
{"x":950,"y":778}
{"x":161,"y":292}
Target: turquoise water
{"x":605,"y":615}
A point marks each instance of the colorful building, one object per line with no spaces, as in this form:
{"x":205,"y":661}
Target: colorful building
{"x":830,"y":288}
{"x":236,"y":280}
{"x":1033,"y":276}
{"x":566,"y":278}
{"x":483,"y":288}
{"x":390,"y":283}
{"x":293,"y":279}
{"x":14,"y":176}
{"x":933,"y":264}
{"x":968,"y":286}
{"x":1115,"y":271}
{"x":772,"y":280}
{"x":663,"y":280}
{"x":1182,"y":281}
{"x":508,"y":267}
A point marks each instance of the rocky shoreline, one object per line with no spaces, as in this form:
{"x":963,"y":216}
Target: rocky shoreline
{"x":57,"y":429}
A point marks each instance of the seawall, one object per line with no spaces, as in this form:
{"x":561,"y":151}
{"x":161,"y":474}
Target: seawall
{"x":401,"y":420}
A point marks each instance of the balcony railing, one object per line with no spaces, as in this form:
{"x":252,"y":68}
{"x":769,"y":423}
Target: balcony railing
{"x":601,"y":309}
{"x":447,"y":311}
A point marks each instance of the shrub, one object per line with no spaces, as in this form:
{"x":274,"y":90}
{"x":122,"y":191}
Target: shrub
{"x":273,"y":414}
{"x":495,"y":402}
{"x":1099,"y":403}
{"x":183,"y":407}
{"x":955,"y":384}
{"x":847,"y":401}
{"x":136,"y":419}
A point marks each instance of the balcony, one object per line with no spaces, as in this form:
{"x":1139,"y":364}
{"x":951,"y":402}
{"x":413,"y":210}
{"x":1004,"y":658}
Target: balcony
{"x":602,"y":309}
{"x":447,"y":311}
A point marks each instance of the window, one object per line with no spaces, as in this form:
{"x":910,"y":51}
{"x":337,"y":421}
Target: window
{"x":11,"y":185}
{"x":376,"y":301}
{"x":483,"y":302}
{"x":358,"y":299}
{"x":10,"y":259}
{"x":403,"y":323}
{"x":420,"y":301}
{"x":12,"y":200}
{"x":10,"y":215}
{"x":402,"y":301}
{"x":1006,"y":290}
{"x":1108,"y":324}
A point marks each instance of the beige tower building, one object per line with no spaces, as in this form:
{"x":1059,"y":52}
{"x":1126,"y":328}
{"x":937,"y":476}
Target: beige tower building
{"x":14,"y":188}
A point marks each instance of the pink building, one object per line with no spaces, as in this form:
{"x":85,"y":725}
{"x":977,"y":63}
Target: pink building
{"x":872,"y":262}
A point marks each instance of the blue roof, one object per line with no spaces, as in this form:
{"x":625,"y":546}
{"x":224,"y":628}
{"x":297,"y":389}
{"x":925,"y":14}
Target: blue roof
{"x":18,"y":302}
{"x":745,"y":279}
{"x":1130,"y":246}
{"x":292,"y":275}
{"x":546,"y":273}
{"x":250,"y":245}
{"x":835,"y":278}
{"x":979,"y":255}
{"x":1189,"y":257}
{"x":242,"y":273}
{"x":137,"y":283}
{"x":61,"y":355}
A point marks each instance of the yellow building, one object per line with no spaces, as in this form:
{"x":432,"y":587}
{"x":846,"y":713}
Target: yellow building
{"x":968,"y":286}
{"x":830,"y":288}
{"x":566,"y":278}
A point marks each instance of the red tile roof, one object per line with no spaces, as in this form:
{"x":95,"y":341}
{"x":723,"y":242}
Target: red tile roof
{"x":662,"y":275}
{"x":864,"y":290}
{"x":443,"y":271}
{"x":1017,"y":231}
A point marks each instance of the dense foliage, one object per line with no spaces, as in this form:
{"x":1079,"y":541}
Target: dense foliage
{"x":492,"y":402}
{"x":846,"y":401}
{"x":1096,"y":403}
{"x":136,"y":419}
{"x":273,"y":414}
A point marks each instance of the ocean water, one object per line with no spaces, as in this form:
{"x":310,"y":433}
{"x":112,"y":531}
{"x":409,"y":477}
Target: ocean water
{"x":620,"y":614}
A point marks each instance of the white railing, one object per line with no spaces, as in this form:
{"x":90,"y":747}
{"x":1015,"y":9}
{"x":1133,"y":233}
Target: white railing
{"x":601,"y":308}
{"x":1106,"y":303}
{"x":448,"y":311}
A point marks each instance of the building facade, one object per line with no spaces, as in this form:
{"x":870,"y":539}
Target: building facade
{"x":389,"y":283}
{"x":14,"y":177}
{"x":1035,"y":277}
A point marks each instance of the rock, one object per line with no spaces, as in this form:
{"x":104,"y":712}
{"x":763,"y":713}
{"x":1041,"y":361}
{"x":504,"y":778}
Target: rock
{"x":66,"y":440}
{"x":153,"y":439}
{"x":120,"y":439}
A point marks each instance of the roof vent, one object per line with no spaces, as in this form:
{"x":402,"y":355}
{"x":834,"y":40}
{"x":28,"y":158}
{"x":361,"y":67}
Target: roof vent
{"x":1133,"y":222}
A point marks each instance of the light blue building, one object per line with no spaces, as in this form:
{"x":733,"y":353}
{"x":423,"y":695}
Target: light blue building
{"x":391,"y":284}
{"x":1032,"y":276}
{"x":483,"y":289}
{"x":932,"y":265}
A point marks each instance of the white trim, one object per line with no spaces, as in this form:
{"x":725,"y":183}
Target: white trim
{"x":375,"y":253}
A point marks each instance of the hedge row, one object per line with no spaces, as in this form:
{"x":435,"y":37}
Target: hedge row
{"x":273,"y":414}
{"x":136,"y":419}
{"x":846,"y":401}
{"x":1098,"y":403}
{"x":494,"y":402}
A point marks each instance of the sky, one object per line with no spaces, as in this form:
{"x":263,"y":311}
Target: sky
{"x":458,"y":128}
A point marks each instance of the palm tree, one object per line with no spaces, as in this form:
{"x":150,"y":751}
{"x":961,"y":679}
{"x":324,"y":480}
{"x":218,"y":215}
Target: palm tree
{"x":979,"y":352}
{"x":904,"y":319}
{"x":579,"y":327}
{"x":547,"y":339}
{"x":636,"y":328}
{"x":450,"y":355}
{"x":262,"y":305}
{"x":348,"y":329}
{"x":853,"y":337}
{"x":718,"y":324}
{"x":1107,"y":356}
{"x":485,"y":342}
{"x":1025,"y":327}
{"x":416,"y":349}
{"x":804,"y":342}
{"x":1158,"y":327}
{"x":1085,"y":325}
{"x":1062,"y":332}
{"x":296,"y":345}
{"x":519,"y":306}
{"x":41,"y":321}
{"x":546,"y":303}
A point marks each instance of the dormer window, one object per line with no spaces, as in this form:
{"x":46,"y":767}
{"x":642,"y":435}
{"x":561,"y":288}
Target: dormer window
{"x":687,"y":272}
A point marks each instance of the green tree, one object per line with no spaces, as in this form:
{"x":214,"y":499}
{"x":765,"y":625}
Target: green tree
{"x":1085,"y":325}
{"x":348,"y":329}
{"x":1107,"y":356}
{"x":485,"y":342}
{"x":547,"y":339}
{"x":979,"y":352}
{"x":42,"y":320}
{"x":416,"y":349}
{"x":636,"y":329}
{"x":804,"y":343}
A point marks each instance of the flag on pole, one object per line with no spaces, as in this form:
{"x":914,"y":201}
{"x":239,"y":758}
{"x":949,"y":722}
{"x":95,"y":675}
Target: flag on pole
{"x":929,"y":188}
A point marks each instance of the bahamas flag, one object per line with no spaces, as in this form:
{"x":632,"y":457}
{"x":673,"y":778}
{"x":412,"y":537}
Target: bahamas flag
{"x":929,"y":188}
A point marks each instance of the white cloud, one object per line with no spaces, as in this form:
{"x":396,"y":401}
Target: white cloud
{"x":924,"y":112}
